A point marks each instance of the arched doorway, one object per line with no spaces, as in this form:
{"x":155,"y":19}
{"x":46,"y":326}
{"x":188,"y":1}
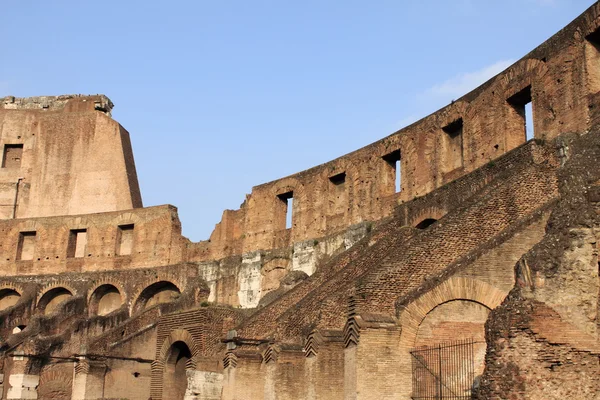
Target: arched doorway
{"x":174,"y":374}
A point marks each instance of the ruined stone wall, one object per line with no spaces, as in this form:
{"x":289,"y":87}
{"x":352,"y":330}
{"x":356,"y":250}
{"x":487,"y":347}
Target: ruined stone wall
{"x":559,"y":78}
{"x":542,"y":342}
{"x":94,"y":242}
{"x":64,"y":156}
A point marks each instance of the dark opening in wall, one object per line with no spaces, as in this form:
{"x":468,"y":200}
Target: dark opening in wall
{"x":522,"y":104}
{"x":338,"y":198}
{"x":288,"y":199}
{"x":393,"y":160}
{"x":125,"y":240}
{"x":453,"y":146}
{"x":12,"y":156}
{"x":77,"y":243}
{"x":426,"y":223}
{"x":592,"y":60}
{"x":26,"y":246}
{"x":338,"y":179}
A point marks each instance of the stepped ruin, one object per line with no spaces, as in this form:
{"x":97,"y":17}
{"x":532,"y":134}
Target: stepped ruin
{"x":453,"y":259}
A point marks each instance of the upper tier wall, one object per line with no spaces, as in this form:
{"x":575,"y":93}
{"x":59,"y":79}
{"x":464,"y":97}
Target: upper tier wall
{"x":559,"y":78}
{"x":64,"y":155}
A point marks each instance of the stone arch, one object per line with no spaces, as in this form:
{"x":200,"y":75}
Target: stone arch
{"x":161,"y":291}
{"x":105,"y":298}
{"x":172,"y":359}
{"x":9,"y":296}
{"x":459,"y":288}
{"x":53,"y":296}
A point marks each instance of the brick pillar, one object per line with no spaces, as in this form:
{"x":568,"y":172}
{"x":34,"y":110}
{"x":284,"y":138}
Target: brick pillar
{"x":286,"y":371}
{"x":243,"y":378}
{"x":323,"y":367}
{"x":88,"y":380}
{"x":371,"y":357}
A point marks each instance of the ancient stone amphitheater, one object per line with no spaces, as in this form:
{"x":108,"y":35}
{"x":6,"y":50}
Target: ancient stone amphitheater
{"x":453,"y":259}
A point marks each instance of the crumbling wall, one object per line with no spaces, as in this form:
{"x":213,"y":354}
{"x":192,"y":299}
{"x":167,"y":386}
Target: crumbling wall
{"x":542,"y":343}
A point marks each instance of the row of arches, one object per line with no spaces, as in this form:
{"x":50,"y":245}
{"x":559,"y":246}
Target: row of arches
{"x":103,"y":300}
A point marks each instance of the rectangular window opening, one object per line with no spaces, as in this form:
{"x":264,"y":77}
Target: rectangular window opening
{"x":12,"y":156}
{"x":393,"y":160}
{"x":338,"y":179}
{"x":288,"y":199}
{"x":522,"y":103}
{"x":125,"y":240}
{"x":528,"y":121}
{"x":453,"y":145}
{"x":26,"y":246}
{"x":77,"y":243}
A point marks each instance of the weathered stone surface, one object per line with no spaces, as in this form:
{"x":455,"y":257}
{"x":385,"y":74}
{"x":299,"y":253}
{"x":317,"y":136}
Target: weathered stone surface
{"x":491,"y":241}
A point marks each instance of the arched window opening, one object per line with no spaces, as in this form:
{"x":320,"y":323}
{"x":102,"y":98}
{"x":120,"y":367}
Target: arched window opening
{"x":105,"y":299}
{"x":174,"y":375}
{"x":157,"y":293}
{"x":52,"y":299}
{"x":426,"y":223}
{"x":8,"y":298}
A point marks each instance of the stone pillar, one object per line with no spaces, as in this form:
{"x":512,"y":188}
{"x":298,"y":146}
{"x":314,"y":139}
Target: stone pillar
{"x":324,"y":372}
{"x":88,"y":380}
{"x":203,"y":385}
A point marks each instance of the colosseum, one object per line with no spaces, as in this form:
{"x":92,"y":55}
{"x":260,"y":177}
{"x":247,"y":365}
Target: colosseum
{"x":453,"y":259}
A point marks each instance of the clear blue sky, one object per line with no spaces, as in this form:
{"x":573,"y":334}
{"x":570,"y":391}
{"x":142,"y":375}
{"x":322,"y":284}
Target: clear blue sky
{"x":220,"y":96}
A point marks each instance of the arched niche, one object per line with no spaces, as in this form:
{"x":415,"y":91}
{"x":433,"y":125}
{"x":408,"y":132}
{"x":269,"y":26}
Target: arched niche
{"x":105,"y":299}
{"x":174,"y":374}
{"x":8,"y":298}
{"x":50,"y":301}
{"x":157,"y":293}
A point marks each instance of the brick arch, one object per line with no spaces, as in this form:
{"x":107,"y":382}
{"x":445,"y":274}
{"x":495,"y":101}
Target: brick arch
{"x":9,"y":297}
{"x":103,"y":282}
{"x":134,"y":300}
{"x":528,"y":70}
{"x":57,"y":285}
{"x":178,"y":335}
{"x":289,"y":185}
{"x":12,"y":286}
{"x":459,"y":288}
{"x":451,"y":113}
{"x":127,"y":218}
{"x":93,"y":301}
{"x":158,"y":365}
{"x":55,"y":383}
{"x":427,"y":213}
